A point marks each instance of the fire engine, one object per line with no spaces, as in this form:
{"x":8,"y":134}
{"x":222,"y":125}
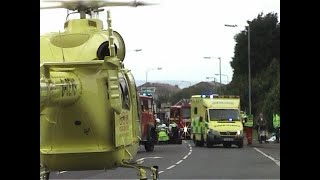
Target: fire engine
{"x":180,"y":114}
{"x":148,"y":122}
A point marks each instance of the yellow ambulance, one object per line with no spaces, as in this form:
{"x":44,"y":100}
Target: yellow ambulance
{"x":215,"y":119}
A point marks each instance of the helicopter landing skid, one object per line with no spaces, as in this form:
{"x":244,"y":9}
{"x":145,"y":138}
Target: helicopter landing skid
{"x":44,"y":173}
{"x":142,"y":171}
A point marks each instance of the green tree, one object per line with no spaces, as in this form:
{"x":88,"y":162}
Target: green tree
{"x":265,"y":65}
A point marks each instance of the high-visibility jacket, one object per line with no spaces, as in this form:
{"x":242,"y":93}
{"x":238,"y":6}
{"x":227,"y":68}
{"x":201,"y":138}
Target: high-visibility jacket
{"x":276,"y":120}
{"x":249,"y":122}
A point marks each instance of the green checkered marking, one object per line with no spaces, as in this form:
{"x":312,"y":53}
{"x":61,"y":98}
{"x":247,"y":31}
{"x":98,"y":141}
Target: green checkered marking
{"x":199,"y":127}
{"x":196,"y":125}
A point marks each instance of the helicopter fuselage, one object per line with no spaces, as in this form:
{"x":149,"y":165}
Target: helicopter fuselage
{"x":82,"y":40}
{"x":89,"y":112}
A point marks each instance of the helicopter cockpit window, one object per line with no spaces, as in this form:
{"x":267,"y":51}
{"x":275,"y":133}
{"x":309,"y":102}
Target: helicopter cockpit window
{"x":103,"y":50}
{"x":124,"y":94}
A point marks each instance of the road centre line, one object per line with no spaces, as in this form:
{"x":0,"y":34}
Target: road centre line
{"x":171,"y":167}
{"x":179,"y":162}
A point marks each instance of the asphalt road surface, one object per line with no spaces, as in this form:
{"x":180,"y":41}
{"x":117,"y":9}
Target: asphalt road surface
{"x":185,"y":161}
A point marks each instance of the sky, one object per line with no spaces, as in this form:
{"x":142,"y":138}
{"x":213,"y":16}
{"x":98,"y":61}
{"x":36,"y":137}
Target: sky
{"x":176,"y":34}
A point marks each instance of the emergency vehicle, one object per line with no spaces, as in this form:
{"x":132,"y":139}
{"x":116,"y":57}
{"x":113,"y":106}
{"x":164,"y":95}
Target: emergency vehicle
{"x":148,"y":122}
{"x":180,"y":114}
{"x":215,"y":119}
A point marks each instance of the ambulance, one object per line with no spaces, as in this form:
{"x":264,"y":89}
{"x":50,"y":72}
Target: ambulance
{"x":215,"y":119}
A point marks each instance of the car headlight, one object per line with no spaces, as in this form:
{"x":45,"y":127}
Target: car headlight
{"x":239,"y":132}
{"x":185,"y":129}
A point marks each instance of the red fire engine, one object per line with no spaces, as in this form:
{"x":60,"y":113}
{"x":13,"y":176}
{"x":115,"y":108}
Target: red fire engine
{"x":180,"y":114}
{"x":148,"y":122}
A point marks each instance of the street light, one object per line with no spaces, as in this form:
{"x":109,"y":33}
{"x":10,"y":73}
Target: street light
{"x":224,"y":75}
{"x":249,"y":62}
{"x":211,"y":78}
{"x":136,"y":50}
{"x":150,"y":69}
{"x":219,"y":64}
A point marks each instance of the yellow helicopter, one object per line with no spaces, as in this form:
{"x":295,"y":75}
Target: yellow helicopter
{"x":89,"y":106}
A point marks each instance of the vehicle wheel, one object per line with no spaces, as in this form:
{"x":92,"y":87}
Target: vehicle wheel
{"x":209,"y":144}
{"x":240,"y":144}
{"x":44,"y":173}
{"x":149,"y":146}
{"x":45,"y":176}
{"x":227,"y":145}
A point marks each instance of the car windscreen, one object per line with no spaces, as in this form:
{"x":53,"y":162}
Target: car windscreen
{"x":185,"y":113}
{"x":223,"y":114}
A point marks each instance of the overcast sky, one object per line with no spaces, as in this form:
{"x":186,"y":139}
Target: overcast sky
{"x":176,"y":35}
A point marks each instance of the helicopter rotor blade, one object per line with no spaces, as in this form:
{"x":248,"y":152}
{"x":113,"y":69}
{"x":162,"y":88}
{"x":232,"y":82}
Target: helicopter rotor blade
{"x":88,"y":4}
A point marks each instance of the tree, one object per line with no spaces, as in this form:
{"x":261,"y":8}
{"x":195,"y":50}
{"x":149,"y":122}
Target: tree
{"x":265,"y":65}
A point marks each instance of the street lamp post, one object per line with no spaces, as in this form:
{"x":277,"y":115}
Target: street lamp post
{"x":219,"y":64}
{"x":249,"y":63}
{"x":214,"y":79}
{"x":224,"y":75}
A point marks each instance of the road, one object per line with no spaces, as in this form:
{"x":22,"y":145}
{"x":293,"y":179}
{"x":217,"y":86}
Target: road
{"x":259,"y":161}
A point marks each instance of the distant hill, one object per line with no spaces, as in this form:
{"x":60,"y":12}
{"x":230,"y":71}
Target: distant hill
{"x":162,"y":89}
{"x":180,"y":84}
{"x":167,"y":93}
{"x":200,"y":88}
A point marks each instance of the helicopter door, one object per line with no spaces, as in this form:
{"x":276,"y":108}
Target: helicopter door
{"x":123,"y":125}
{"x":136,"y":105}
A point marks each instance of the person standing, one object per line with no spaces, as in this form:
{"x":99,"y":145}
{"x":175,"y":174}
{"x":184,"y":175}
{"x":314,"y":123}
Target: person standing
{"x":276,"y":126}
{"x":248,"y":124}
{"x":261,"y":124}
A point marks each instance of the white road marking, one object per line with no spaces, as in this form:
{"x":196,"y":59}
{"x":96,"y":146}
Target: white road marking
{"x":274,"y":160}
{"x":60,"y":172}
{"x":156,"y":157}
{"x":140,"y":162}
{"x":185,"y":157}
{"x":171,"y":167}
{"x":179,"y":162}
{"x":148,"y":158}
{"x":140,"y":159}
